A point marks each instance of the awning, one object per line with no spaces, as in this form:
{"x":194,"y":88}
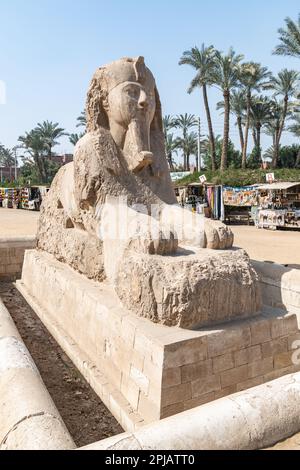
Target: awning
{"x":277,"y":186}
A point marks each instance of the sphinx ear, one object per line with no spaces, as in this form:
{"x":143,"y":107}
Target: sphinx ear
{"x":157,"y":123}
{"x":96,"y":104}
{"x":157,"y":143}
{"x":104,"y":100}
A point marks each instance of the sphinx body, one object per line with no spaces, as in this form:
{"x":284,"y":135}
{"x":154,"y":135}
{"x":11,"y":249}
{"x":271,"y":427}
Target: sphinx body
{"x":171,"y":266}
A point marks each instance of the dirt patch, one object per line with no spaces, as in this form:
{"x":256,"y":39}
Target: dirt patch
{"x":86,"y":417}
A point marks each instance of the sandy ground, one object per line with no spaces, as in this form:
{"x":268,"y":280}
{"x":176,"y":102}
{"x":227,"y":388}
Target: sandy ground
{"x":264,"y":245}
{"x":293,"y":443}
{"x":18,"y":223}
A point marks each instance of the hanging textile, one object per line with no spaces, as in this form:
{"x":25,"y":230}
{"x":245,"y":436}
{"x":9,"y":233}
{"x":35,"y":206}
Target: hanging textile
{"x":215,"y":201}
{"x":222,"y":214}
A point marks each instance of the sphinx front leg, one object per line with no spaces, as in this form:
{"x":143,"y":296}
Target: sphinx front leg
{"x":195,"y":230}
{"x":123,"y":230}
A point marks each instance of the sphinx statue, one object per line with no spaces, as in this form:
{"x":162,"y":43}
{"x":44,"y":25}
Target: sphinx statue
{"x":165,"y":263}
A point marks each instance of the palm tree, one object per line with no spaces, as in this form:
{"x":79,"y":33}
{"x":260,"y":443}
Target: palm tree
{"x":295,"y":129}
{"x":252,"y":77}
{"x":260,"y":114}
{"x":185,"y":122}
{"x":50,"y":132}
{"x":269,"y":152}
{"x":226,"y":77}
{"x":284,"y":84}
{"x":295,"y":126}
{"x":203,"y":61}
{"x":273,"y":126}
{"x":74,"y":138}
{"x":289,"y":39}
{"x":7,"y":157}
{"x":35,"y":146}
{"x":237,"y":108}
{"x":234,"y":156}
{"x":189,"y":146}
{"x":81,"y":120}
{"x":169,"y":123}
{"x":171,"y":147}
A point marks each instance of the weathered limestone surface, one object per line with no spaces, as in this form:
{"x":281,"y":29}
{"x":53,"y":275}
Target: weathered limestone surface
{"x":163,"y":274}
{"x":145,"y":371}
{"x":248,"y":420}
{"x":196,"y":289}
{"x":28,"y":416}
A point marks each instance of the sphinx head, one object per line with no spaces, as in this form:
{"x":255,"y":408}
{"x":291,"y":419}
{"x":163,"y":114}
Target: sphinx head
{"x":123,"y":98}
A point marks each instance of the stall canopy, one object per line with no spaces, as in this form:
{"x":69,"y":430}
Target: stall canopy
{"x":277,"y":186}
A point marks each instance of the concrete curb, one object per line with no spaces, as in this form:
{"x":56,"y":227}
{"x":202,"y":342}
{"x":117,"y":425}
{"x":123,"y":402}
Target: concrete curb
{"x":253,"y":419}
{"x":29,"y":420}
{"x":280,"y":286}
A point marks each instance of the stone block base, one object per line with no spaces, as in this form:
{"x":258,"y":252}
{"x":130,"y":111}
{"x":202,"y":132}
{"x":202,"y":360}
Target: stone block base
{"x":143,"y":371}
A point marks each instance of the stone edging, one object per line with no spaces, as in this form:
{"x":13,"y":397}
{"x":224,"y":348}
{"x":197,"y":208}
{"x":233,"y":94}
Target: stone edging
{"x":29,"y":420}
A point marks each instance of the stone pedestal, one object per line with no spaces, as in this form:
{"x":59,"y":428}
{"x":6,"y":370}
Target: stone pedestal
{"x":144,"y":371}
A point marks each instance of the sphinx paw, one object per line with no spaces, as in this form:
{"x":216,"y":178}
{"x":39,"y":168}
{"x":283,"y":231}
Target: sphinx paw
{"x":218,"y":235}
{"x":165,"y":243}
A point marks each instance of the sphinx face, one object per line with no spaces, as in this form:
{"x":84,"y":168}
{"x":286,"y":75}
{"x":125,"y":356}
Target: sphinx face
{"x":131,"y":109}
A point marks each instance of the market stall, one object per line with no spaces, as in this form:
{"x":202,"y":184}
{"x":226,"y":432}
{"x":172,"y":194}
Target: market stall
{"x":29,"y":198}
{"x":273,"y":205}
{"x":191,"y":196}
{"x":279,"y":206}
{"x":239,"y":203}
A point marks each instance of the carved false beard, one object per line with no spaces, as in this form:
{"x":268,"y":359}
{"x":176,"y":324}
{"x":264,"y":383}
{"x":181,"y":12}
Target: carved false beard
{"x":137,"y":146}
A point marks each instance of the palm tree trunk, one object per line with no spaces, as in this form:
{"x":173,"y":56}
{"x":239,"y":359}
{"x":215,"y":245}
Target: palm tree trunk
{"x":40,"y":163}
{"x":254,"y":135}
{"x":258,"y":135}
{"x":184,"y":162}
{"x":210,"y":130}
{"x":279,"y":133}
{"x":275,"y":156}
{"x":276,"y":148}
{"x":44,"y":169}
{"x":284,"y":114}
{"x":39,"y":167}
{"x":240,"y":127}
{"x":226,"y":95}
{"x":188,"y":167}
{"x":244,"y":154}
{"x":170,"y":161}
{"x":297,"y":164}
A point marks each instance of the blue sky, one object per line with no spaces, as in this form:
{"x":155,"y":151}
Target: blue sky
{"x":50,"y":49}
